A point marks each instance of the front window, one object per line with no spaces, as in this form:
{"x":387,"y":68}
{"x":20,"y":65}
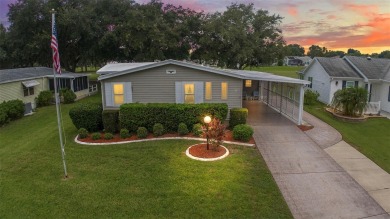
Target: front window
{"x":118,"y":94}
{"x":208,"y":91}
{"x":248,"y":83}
{"x":311,"y":82}
{"x":224,"y":90}
{"x":350,"y":84}
{"x":189,"y":93}
{"x":28,"y":91}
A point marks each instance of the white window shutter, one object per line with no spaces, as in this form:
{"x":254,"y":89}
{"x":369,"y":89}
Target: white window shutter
{"x":179,"y":92}
{"x":199,"y":92}
{"x":108,"y":94}
{"x":128,"y":92}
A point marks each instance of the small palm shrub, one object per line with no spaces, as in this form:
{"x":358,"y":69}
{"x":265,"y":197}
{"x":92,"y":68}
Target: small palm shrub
{"x":214,"y":131}
{"x":108,"y":136}
{"x":351,"y":101}
{"x":197,"y":129}
{"x":142,"y":132}
{"x":124,"y":133}
{"x":242,"y":132}
{"x":182,"y":129}
{"x":95,"y":136}
{"x":158,"y":129}
{"x":83,"y":133}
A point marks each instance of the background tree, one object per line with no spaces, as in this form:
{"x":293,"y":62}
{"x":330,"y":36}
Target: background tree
{"x":336,"y":53}
{"x":316,"y":51}
{"x":384,"y":54}
{"x":353,"y":52}
{"x":294,"y":50}
{"x":4,"y":52}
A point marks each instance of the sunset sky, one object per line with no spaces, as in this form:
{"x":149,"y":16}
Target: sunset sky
{"x":336,"y":24}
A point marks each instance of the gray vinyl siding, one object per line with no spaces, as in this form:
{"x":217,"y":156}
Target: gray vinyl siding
{"x":155,"y":86}
{"x":14,"y":90}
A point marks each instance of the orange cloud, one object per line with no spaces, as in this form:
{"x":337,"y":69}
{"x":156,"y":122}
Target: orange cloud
{"x":292,"y":10}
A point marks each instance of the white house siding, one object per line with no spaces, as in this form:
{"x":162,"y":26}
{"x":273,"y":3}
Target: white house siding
{"x":14,"y":90}
{"x":383,"y":89}
{"x":156,"y":86}
{"x":321,"y":82}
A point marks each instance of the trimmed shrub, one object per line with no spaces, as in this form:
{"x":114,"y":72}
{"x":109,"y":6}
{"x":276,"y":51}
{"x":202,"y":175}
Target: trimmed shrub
{"x":142,"y":132}
{"x":134,"y":115}
{"x":158,"y":129}
{"x":14,"y":109}
{"x":68,"y":95}
{"x":3,"y":117}
{"x":110,"y":120}
{"x":124,"y":133}
{"x":238,"y":116}
{"x":197,"y":129}
{"x":310,"y":97}
{"x":45,"y":98}
{"x":96,"y":136}
{"x":242,"y":132}
{"x":88,"y":116}
{"x":182,"y":129}
{"x":108,"y":136}
{"x":83,"y":133}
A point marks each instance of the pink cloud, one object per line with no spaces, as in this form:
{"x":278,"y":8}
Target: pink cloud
{"x":291,"y":10}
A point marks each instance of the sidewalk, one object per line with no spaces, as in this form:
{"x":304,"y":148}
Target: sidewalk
{"x":370,"y":176}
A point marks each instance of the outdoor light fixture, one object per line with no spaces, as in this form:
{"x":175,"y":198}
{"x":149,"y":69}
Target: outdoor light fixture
{"x":207,"y":120}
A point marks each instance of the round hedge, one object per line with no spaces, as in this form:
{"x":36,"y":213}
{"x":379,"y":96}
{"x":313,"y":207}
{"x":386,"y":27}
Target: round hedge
{"x":242,"y":132}
{"x":88,"y":116}
{"x":238,"y":116}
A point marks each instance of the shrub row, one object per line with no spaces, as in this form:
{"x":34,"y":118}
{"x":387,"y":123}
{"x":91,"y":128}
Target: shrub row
{"x":88,"y":116}
{"x":242,"y":132}
{"x":170,"y":115}
{"x":238,"y":116}
{"x":11,"y":110}
{"x":110,"y":120}
{"x":45,"y":98}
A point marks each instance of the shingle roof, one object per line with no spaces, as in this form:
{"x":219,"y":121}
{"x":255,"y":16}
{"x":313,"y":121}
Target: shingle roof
{"x":372,"y":68}
{"x":242,"y":74}
{"x":338,"y":67}
{"x":19,"y":74}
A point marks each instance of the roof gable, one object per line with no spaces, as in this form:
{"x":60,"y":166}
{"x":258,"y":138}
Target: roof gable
{"x":337,"y":67}
{"x":372,"y":68}
{"x":241,"y":74}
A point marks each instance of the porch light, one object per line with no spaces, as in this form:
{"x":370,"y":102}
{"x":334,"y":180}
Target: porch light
{"x":207,"y":119}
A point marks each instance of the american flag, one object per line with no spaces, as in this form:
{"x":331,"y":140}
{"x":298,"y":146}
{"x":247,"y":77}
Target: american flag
{"x":54,"y":46}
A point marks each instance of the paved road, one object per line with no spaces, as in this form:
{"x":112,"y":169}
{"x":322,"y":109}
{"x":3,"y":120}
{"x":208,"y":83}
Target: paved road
{"x":312,"y":183}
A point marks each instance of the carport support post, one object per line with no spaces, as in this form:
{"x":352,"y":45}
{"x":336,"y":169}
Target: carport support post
{"x":300,"y":112}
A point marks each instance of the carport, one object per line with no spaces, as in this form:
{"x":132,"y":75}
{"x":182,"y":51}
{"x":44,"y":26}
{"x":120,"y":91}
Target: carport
{"x":283,"y":94}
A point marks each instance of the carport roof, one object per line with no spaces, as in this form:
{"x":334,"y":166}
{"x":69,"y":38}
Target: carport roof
{"x":242,"y":74}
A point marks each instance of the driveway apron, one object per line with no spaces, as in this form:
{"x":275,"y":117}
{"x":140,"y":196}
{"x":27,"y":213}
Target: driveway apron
{"x":312,"y":183}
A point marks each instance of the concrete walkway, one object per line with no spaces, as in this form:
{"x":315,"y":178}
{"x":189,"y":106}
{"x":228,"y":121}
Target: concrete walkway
{"x":312,"y":183}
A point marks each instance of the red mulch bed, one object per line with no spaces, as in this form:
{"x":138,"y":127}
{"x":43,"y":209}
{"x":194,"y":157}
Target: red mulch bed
{"x":200,"y":150}
{"x":305,"y":127}
{"x":228,"y":137}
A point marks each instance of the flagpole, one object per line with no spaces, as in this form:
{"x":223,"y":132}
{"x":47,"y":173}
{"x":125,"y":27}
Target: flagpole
{"x":57,"y":103}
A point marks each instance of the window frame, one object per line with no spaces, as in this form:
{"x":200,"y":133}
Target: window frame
{"x":350,"y":82}
{"x":208,"y":90}
{"x":115,"y":94}
{"x":224,"y":90}
{"x":189,"y":94}
{"x":28,"y":91}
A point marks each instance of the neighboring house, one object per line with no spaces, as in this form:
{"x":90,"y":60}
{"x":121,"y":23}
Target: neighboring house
{"x":26,"y":83}
{"x":173,"y":81}
{"x":297,"y":60}
{"x":327,"y":75}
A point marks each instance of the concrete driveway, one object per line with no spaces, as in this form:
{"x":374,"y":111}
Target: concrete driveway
{"x":312,"y":183}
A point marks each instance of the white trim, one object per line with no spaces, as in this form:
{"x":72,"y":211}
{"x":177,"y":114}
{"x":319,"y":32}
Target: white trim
{"x":206,"y":159}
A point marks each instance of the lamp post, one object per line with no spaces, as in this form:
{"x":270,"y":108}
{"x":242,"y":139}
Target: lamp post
{"x":207,"y":120}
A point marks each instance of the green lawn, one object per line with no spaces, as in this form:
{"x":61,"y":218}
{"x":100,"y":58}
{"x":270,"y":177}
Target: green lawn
{"x":91,"y":71}
{"x":371,"y":137}
{"x":287,"y":71}
{"x":148,"y":180}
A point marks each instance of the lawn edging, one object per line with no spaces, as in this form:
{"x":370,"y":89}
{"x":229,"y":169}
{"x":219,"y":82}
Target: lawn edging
{"x":206,"y":159}
{"x":157,"y":139}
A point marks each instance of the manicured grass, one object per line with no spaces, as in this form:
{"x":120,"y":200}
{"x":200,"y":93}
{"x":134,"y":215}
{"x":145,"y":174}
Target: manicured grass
{"x":287,"y":71}
{"x":147,"y":180}
{"x":371,"y":137}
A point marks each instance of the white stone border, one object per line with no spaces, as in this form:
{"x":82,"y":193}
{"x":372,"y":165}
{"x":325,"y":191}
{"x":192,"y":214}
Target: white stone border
{"x":206,"y":159}
{"x":157,"y":139}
